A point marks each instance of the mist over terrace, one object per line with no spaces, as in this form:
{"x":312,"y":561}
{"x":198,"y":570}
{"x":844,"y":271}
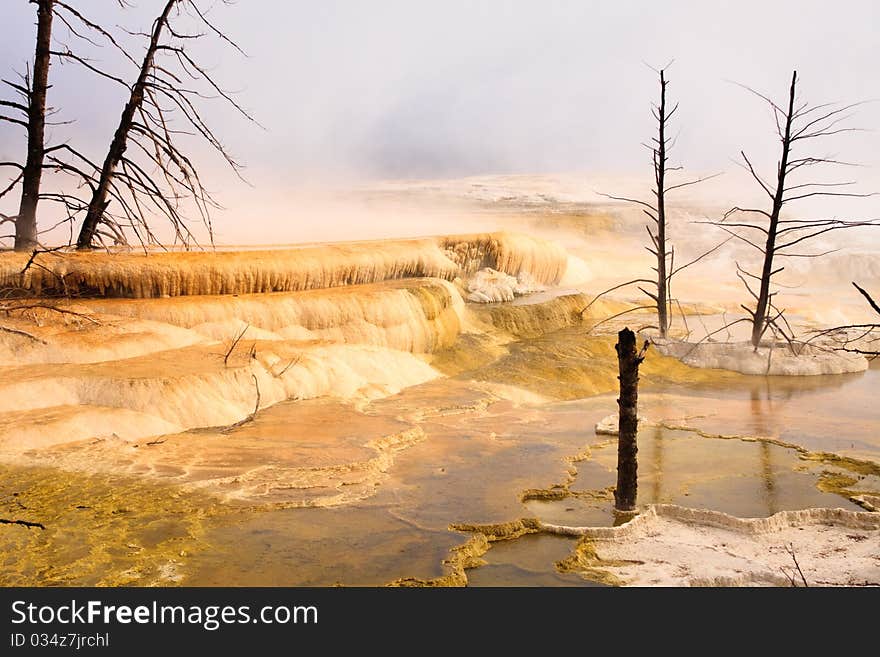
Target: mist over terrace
{"x":350,"y":94}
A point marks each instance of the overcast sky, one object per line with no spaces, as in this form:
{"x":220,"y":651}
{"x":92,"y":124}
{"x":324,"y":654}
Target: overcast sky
{"x":406,"y":89}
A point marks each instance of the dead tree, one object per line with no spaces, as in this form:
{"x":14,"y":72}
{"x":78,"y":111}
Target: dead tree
{"x":163,"y":175}
{"x":99,"y":202}
{"x":32,"y":111}
{"x":660,"y":248}
{"x":766,"y":230}
{"x":146,"y":173}
{"x":26,"y":222}
{"x":33,"y":116}
{"x":628,"y":360}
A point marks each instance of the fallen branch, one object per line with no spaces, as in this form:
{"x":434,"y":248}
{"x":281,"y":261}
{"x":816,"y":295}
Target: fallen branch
{"x":250,"y":417}
{"x":790,"y":549}
{"x":841,"y":334}
{"x":257,"y":386}
{"x":6,"y":329}
{"x":14,"y":307}
{"x":23,"y":523}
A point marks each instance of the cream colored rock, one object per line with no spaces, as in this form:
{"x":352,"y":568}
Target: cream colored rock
{"x":669,"y":545}
{"x":777,"y":360}
{"x":491,"y":286}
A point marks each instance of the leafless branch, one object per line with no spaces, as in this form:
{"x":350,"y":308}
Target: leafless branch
{"x":615,"y":316}
{"x":23,"y":523}
{"x":867,"y":296}
{"x":291,"y":363}
{"x":234,"y":344}
{"x":790,"y":549}
{"x":629,"y":200}
{"x":611,"y":289}
{"x":25,"y":334}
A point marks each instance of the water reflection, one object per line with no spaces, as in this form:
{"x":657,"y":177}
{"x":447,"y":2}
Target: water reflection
{"x":480,"y":453}
{"x":658,"y":464}
{"x":742,"y":478}
{"x":833,"y":413}
{"x":768,"y":478}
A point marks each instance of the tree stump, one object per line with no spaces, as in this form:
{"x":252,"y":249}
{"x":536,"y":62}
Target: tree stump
{"x":628,"y":360}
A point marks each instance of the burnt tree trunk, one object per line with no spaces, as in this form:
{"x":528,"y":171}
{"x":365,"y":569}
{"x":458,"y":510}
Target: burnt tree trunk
{"x":762,"y":309}
{"x":26,"y":222}
{"x":660,"y":171}
{"x":98,"y":204}
{"x":627,"y":448}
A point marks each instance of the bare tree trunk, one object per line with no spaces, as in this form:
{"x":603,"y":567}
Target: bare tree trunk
{"x":26,"y":222}
{"x":777,"y":238}
{"x":660,"y":247}
{"x":99,"y":202}
{"x":627,"y":447}
{"x":759,"y":319}
{"x":660,"y":171}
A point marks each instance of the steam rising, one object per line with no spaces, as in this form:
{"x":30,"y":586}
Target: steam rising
{"x":351,"y":92}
